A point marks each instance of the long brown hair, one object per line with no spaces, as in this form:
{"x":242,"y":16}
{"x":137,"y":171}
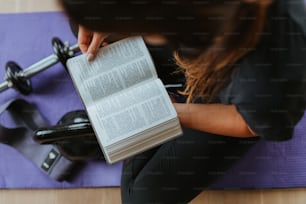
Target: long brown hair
{"x":221,"y":32}
{"x":211,"y":69}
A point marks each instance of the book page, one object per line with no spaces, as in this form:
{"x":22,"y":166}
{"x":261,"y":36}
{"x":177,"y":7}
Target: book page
{"x":116,"y":67}
{"x":132,"y":111}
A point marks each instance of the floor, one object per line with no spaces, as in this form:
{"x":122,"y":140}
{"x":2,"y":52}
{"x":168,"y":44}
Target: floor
{"x":112,"y":195}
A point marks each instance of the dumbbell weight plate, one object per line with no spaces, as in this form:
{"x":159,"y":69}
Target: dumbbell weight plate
{"x":60,"y":50}
{"x":21,"y":84}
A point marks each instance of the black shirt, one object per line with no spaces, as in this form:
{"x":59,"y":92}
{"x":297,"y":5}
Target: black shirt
{"x":268,"y":85}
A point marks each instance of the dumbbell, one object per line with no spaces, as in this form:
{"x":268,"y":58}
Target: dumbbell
{"x":19,"y":79}
{"x":73,"y":135}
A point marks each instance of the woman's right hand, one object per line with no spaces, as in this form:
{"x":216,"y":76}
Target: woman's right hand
{"x":90,"y":42}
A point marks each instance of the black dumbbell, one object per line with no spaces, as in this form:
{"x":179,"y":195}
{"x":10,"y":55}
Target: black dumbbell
{"x":73,"y":135}
{"x":19,"y":78}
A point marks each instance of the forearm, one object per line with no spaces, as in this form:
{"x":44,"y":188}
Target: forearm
{"x":213,"y":118}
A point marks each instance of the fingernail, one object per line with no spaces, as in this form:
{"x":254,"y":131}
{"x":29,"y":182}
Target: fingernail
{"x":89,"y":57}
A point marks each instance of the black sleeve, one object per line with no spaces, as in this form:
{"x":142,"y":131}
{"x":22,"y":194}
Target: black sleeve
{"x":271,"y":108}
{"x":268,"y":87}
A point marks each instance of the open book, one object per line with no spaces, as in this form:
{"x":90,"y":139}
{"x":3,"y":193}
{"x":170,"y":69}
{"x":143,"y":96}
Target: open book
{"x":128,"y":106}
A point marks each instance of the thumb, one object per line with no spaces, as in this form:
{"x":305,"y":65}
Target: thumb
{"x":94,"y":46}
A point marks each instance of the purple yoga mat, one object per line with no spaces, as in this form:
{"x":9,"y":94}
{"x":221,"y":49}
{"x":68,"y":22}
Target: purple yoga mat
{"x":26,"y":38}
{"x":270,"y":165}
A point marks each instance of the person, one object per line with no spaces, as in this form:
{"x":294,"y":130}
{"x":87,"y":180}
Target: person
{"x":243,"y":67}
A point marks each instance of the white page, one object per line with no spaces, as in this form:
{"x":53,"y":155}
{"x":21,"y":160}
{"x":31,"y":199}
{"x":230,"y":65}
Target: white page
{"x":116,"y":67}
{"x":132,"y":111}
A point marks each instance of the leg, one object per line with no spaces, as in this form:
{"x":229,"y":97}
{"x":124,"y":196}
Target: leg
{"x":179,"y":170}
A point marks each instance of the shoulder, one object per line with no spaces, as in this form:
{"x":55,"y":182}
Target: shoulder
{"x":296,"y":10}
{"x":282,"y":49}
{"x":288,"y":16}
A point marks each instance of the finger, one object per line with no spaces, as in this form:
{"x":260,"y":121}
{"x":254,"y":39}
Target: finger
{"x":84,"y":38}
{"x":97,"y":41}
{"x":104,"y":44}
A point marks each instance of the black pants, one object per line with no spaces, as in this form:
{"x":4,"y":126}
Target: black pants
{"x":179,"y":170}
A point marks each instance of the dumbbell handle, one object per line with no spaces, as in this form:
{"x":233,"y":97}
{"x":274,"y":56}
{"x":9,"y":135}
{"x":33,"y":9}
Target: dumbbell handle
{"x":44,"y":64}
{"x":4,"y":85}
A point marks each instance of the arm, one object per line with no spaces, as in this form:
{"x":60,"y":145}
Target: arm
{"x":213,"y":118}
